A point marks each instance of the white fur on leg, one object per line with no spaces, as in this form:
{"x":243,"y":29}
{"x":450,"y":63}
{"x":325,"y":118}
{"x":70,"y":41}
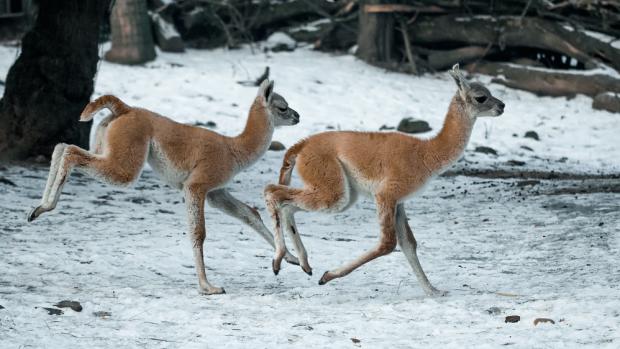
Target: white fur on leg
{"x":54,"y":165}
{"x":288,"y":221}
{"x":409,"y":250}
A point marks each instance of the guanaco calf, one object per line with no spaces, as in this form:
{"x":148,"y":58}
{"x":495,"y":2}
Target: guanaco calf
{"x":336,"y":166}
{"x":198,"y":161}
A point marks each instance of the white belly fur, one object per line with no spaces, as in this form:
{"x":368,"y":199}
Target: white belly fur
{"x":160,"y":163}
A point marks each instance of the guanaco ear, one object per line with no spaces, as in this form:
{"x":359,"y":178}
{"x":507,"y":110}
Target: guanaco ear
{"x":265,"y":90}
{"x":459,"y":78}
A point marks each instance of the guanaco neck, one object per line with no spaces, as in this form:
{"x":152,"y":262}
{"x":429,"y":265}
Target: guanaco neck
{"x":448,"y":145}
{"x":253,"y":142}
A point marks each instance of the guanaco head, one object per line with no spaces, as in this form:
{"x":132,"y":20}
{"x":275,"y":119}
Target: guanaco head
{"x":276,"y":106}
{"x":478,"y":99}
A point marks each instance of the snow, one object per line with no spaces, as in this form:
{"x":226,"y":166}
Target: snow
{"x":311,"y":26}
{"x":608,"y":39}
{"x":541,"y":250}
{"x":280,"y":39}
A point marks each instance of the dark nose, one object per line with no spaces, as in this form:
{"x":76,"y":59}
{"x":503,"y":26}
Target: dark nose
{"x":501,"y":105}
{"x":295,"y":116}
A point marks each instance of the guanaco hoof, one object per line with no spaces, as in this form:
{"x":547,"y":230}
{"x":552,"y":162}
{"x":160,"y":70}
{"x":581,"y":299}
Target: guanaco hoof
{"x":324,"y":278}
{"x":33,"y":214}
{"x":273,"y":267}
{"x":217,"y":290}
{"x":309,"y":271}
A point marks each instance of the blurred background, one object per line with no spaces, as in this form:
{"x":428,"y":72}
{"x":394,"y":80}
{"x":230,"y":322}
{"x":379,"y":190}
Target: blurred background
{"x":51,"y":57}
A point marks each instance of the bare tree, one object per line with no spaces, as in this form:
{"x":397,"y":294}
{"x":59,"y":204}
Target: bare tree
{"x":132,"y":38}
{"x":52,"y":80}
{"x":375,"y":40}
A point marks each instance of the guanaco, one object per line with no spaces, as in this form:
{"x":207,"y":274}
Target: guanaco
{"x":198,"y":161}
{"x":392,"y":167}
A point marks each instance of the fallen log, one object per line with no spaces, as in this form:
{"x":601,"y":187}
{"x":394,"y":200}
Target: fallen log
{"x":453,"y":31}
{"x":546,"y":82}
{"x":443,"y":59}
{"x":211,"y":23}
{"x":597,"y":15}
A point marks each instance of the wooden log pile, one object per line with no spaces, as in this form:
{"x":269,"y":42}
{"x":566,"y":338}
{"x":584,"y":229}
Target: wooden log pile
{"x":548,"y":47}
{"x":554,"y":48}
{"x":214,"y":23}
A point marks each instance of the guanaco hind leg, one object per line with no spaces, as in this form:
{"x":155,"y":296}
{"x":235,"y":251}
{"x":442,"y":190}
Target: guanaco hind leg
{"x":326,"y":190}
{"x":386,"y":209}
{"x":288,"y":221}
{"x":116,"y":166}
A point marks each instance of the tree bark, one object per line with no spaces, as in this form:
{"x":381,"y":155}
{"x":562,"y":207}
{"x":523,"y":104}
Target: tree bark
{"x":375,"y":40}
{"x":132,"y":38}
{"x":52,"y":80}
{"x":545,"y":82}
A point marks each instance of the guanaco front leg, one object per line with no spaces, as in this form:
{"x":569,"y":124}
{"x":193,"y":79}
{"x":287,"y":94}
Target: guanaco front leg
{"x":408,"y":245}
{"x":386,"y":208}
{"x":225,"y":202}
{"x":195,"y":201}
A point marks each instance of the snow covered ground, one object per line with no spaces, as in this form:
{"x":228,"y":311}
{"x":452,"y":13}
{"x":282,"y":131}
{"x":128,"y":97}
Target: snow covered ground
{"x":499,"y":246}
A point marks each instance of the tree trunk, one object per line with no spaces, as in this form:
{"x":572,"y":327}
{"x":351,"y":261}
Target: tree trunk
{"x":375,"y":40}
{"x":132,"y":39}
{"x":52,"y":80}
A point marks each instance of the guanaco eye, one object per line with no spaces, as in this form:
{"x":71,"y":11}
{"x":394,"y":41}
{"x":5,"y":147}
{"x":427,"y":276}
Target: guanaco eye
{"x":481,"y":99}
{"x":282,"y":109}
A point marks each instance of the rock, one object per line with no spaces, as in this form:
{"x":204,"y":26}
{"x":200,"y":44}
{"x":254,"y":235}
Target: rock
{"x":53,"y":311}
{"x":199,"y":26}
{"x":166,"y":36}
{"x":208,"y":124}
{"x":40,"y":159}
{"x":75,"y":306}
{"x":355,"y":340}
{"x":485,"y":150}
{"x":532,"y":135}
{"x":386,"y":127}
{"x":512,"y":318}
{"x":280,"y":41}
{"x":1,"y":307}
{"x":607,"y":101}
{"x":494,"y":311}
{"x":411,"y":125}
{"x":276,"y":146}
{"x":543,"y":320}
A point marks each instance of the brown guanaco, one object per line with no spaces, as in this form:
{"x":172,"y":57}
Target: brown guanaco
{"x":391,"y":167}
{"x":198,"y":161}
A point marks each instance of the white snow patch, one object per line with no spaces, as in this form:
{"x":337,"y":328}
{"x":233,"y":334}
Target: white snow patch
{"x":280,"y":38}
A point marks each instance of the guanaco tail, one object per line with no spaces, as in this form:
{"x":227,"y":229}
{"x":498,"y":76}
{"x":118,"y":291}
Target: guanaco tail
{"x":200,"y":162}
{"x":391,"y":167}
